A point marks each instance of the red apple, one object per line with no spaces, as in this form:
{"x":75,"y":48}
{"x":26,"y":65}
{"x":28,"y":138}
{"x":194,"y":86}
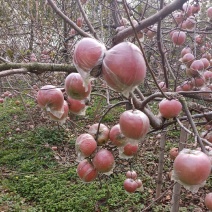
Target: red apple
{"x":130,"y":149}
{"x":79,"y":22}
{"x":52,"y":99}
{"x":88,"y":53}
{"x":116,"y":136}
{"x":139,"y":182}
{"x":178,"y":17}
{"x":192,"y":167}
{"x":131,"y":174}
{"x":103,"y":134}
{"x":195,"y":8}
{"x":209,"y":12}
{"x":130,"y":185}
{"x":124,"y":67}
{"x":173,"y":153}
{"x":187,"y":9}
{"x":208,"y":75}
{"x":104,"y":161}
{"x":162,"y":85}
{"x":185,"y":51}
{"x":198,"y":81}
{"x":76,"y":106}
{"x":179,"y":38}
{"x":209,"y":136}
{"x":74,"y":87}
{"x":208,"y":197}
{"x":170,"y":108}
{"x":86,"y":144}
{"x":64,"y":115}
{"x":206,"y":63}
{"x":134,"y":124}
{"x":187,"y":86}
{"x":187,"y":59}
{"x":86,"y":171}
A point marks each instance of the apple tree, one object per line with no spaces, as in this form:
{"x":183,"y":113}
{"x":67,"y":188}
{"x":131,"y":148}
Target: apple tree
{"x":155,"y":56}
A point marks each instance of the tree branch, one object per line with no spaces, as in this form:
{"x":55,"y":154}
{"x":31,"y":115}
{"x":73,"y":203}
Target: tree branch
{"x":65,"y":18}
{"x":37,"y":68}
{"x":13,"y":71}
{"x":92,"y":30}
{"x":177,"y":4}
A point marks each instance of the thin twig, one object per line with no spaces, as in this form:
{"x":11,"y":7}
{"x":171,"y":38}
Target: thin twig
{"x":65,"y":18}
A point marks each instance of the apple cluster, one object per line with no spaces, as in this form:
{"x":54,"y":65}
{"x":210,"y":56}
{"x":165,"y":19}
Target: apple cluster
{"x":122,"y":67}
{"x":132,"y":183}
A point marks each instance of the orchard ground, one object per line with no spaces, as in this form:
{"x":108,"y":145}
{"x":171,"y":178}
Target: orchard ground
{"x":38,"y":164}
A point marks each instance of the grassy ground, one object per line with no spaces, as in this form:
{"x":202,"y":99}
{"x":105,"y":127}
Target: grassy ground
{"x":36,"y":177}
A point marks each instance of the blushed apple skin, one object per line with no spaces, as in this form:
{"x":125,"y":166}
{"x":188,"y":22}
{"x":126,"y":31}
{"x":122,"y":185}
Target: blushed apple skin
{"x":86,"y":171}
{"x":134,"y":124}
{"x":192,"y":169}
{"x":123,"y":66}
{"x":208,"y":201}
{"x":103,"y":161}
{"x":170,"y":108}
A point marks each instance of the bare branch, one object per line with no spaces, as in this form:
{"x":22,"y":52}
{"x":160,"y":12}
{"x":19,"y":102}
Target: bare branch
{"x":13,"y":71}
{"x":37,"y":68}
{"x":92,"y":30}
{"x":65,"y":18}
{"x":177,"y":4}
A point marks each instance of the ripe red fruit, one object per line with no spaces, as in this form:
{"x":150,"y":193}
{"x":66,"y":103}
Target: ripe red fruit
{"x":209,"y":137}
{"x":206,"y":63}
{"x":170,"y":108}
{"x":139,"y":184}
{"x":76,"y":106}
{"x":74,"y":87}
{"x":195,"y":8}
{"x":187,"y":86}
{"x":185,"y":51}
{"x":173,"y":153}
{"x":83,"y":1}
{"x":86,"y":144}
{"x":192,"y":167}
{"x":187,"y":59}
{"x":103,"y":134}
{"x":130,"y":149}
{"x":131,"y":174}
{"x":123,"y":67}
{"x":199,"y":39}
{"x":208,"y":199}
{"x":130,"y":185}
{"x":88,"y":53}
{"x":208,"y":75}
{"x":190,"y":22}
{"x":64,"y":115}
{"x":198,"y":81}
{"x":209,"y":12}
{"x":179,"y":38}
{"x":197,"y":65}
{"x":134,"y":124}
{"x":162,"y":85}
{"x":116,"y":136}
{"x":72,"y":32}
{"x":1,"y":100}
{"x":52,"y":99}
{"x":104,"y":161}
{"x":152,"y":32}
{"x":79,"y":22}
{"x":187,"y":9}
{"x":86,"y":171}
{"x":178,"y":17}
